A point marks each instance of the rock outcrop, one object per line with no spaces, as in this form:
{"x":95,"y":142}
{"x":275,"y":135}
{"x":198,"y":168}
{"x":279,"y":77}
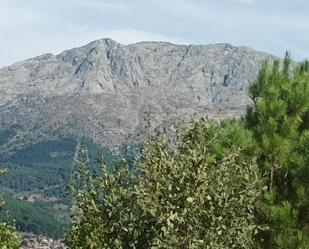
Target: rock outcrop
{"x":103,"y":89}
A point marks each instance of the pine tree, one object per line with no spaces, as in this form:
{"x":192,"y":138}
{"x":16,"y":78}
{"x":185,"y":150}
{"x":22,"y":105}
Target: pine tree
{"x":279,"y":121}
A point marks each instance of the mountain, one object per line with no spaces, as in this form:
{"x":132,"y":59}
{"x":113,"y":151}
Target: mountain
{"x":103,"y":89}
{"x":98,"y":96}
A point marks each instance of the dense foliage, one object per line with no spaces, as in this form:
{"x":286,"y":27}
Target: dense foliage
{"x":203,"y":177}
{"x":8,"y":236}
{"x":194,"y":190}
{"x":279,"y":121}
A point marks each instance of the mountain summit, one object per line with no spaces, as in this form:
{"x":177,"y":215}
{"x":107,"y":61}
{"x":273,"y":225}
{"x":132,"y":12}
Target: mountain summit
{"x":102,"y":90}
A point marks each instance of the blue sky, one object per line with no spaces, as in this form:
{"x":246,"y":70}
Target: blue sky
{"x":33,"y":27}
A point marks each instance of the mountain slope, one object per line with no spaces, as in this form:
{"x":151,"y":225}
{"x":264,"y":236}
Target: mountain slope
{"x":98,"y":96}
{"x":103,"y":89}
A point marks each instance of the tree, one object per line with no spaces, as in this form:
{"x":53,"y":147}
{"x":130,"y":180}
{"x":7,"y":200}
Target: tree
{"x":192,"y":187}
{"x":105,"y":213}
{"x":8,"y":236}
{"x":200,"y":187}
{"x":279,"y":121}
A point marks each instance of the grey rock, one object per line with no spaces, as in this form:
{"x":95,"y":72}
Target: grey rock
{"x":103,"y":89}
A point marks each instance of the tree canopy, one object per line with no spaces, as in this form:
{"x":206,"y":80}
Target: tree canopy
{"x":196,"y":189}
{"x":280,"y":124}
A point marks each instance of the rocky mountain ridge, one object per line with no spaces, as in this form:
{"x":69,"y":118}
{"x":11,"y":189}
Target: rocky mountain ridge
{"x":103,"y":89}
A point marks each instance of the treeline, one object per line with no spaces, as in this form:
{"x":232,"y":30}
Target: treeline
{"x":238,"y":184}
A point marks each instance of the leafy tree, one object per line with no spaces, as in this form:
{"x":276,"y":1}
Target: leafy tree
{"x":200,"y":187}
{"x":8,"y":236}
{"x":192,"y":187}
{"x":104,"y":208}
{"x":279,"y":121}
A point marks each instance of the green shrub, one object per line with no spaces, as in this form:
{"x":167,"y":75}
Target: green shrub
{"x":194,"y":188}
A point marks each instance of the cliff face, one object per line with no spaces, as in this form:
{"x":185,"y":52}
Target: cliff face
{"x":103,"y":89}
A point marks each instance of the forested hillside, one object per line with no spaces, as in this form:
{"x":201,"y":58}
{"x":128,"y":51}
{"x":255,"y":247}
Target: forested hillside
{"x":35,"y":183}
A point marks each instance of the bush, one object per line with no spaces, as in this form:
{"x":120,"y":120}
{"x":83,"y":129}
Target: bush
{"x":8,"y":237}
{"x":194,"y":187}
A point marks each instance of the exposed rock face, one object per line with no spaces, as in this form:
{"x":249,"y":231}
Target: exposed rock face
{"x":102,"y":90}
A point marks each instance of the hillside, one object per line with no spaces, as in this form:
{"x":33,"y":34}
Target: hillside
{"x":102,"y":90}
{"x":97,"y":96}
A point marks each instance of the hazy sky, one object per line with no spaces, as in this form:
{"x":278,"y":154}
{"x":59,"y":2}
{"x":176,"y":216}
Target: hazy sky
{"x":32,"y":27}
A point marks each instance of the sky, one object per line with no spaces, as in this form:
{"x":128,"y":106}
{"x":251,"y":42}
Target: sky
{"x":32,"y":27}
